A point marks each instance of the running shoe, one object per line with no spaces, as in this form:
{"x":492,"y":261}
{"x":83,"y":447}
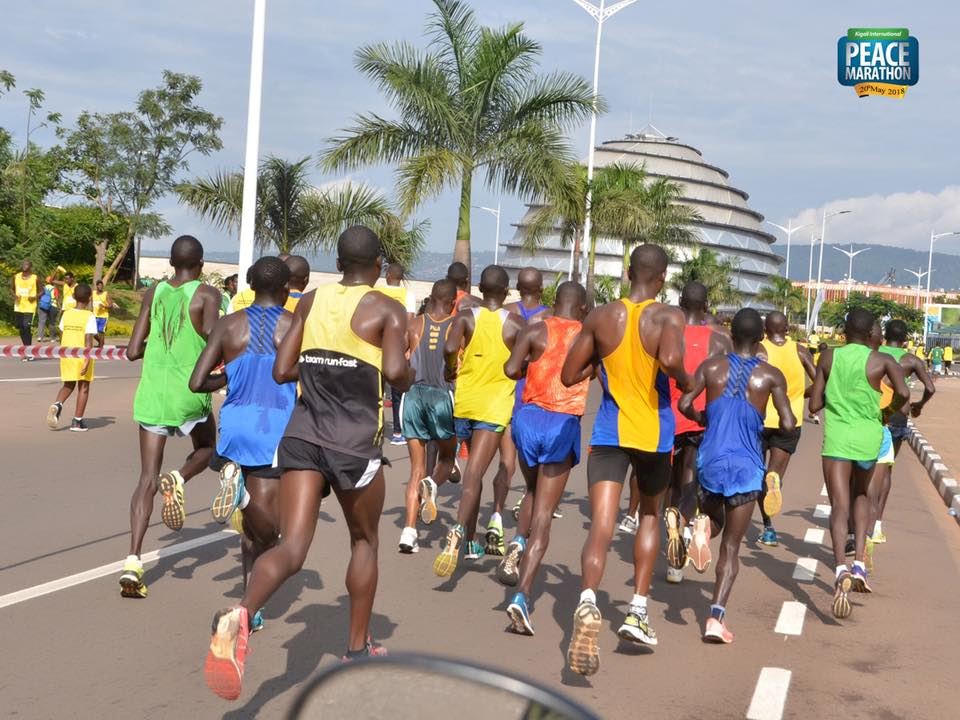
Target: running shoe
{"x":428,"y":500}
{"x":397,"y":439}
{"x":519,"y":615}
{"x":850,"y":549}
{"x":769,"y":537}
{"x":674,"y":576}
{"x":256,"y":625}
{"x":171,"y":488}
{"x":446,"y":561}
{"x":773,"y":499}
{"x":455,"y":475}
{"x":53,"y":415}
{"x":676,"y":550}
{"x":699,"y":549}
{"x":236,"y":521}
{"x":841,"y":603}
{"x":516,"y":508}
{"x":583,"y":653}
{"x":230,"y":494}
{"x":630,"y":523}
{"x":636,"y":627}
{"x":408,"y":541}
{"x":228,"y":650}
{"x":716,"y":632}
{"x":131,"y":580}
{"x":495,"y":544}
{"x":371,"y":649}
{"x":473,"y":550}
{"x":508,"y":571}
{"x":879,"y":538}
{"x":558,"y":513}
{"x":859,"y":583}
{"x":78,"y":425}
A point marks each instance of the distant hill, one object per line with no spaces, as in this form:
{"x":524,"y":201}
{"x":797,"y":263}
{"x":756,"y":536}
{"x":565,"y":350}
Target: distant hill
{"x":872,"y":266}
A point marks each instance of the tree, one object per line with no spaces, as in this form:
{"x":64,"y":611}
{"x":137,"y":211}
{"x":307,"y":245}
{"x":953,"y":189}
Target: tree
{"x":471,"y":103}
{"x":783,"y":294}
{"x":125,"y":161}
{"x":706,"y":267}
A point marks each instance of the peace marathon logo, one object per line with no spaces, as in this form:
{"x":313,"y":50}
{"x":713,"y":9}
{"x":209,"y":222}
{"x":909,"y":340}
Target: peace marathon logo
{"x":878,"y":61}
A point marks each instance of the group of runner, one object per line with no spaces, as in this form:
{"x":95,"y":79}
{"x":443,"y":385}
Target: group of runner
{"x":703,"y":418}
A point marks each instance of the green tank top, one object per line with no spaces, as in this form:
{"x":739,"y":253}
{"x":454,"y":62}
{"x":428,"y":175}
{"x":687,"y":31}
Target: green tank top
{"x":896,"y":352}
{"x":173,"y":346}
{"x":852,"y":428}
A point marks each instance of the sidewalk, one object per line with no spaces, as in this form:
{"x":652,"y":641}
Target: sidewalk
{"x":939,"y":439}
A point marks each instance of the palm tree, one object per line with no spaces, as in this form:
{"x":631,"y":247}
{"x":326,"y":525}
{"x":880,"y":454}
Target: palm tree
{"x":292,"y":213}
{"x":782,"y":293}
{"x":470,"y":103}
{"x":706,"y":267}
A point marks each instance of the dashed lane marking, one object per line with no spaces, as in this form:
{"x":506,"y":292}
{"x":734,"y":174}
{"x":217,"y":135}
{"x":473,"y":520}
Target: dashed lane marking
{"x":821,"y":511}
{"x":45,"y":379}
{"x":770,"y":695}
{"x":806,"y":569}
{"x":99,"y":572}
{"x":791,"y":618}
{"x":815,"y":536}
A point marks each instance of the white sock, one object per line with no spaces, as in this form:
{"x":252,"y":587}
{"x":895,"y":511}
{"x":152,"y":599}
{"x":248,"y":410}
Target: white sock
{"x":245,"y":500}
{"x":851,"y":536}
{"x":859,"y":564}
{"x":639,"y":601}
{"x":589,"y":596}
{"x":687,"y":533}
{"x":133,"y":558}
{"x":495,"y":518}
{"x":841,"y":569}
{"x":877,"y":528}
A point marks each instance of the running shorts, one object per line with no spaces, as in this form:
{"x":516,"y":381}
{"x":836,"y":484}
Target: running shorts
{"x":268,"y":472}
{"x":175,"y":430}
{"x":732,"y":477}
{"x":606,"y":462}
{"x":899,"y":432}
{"x":862,"y":464}
{"x":102,"y":325}
{"x":465,"y":427}
{"x":426,"y":413}
{"x":706,"y":498}
{"x":886,"y":456}
{"x":786,"y":440}
{"x":349,"y":472}
{"x":687,"y":439}
{"x":543,"y":436}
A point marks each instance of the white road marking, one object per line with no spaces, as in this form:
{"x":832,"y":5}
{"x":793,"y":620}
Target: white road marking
{"x":821,"y":511}
{"x":770,"y":694}
{"x":791,"y":617}
{"x":823,"y":490}
{"x":806,"y":569}
{"x":99,"y":572}
{"x":45,"y":379}
{"x":814,"y":536}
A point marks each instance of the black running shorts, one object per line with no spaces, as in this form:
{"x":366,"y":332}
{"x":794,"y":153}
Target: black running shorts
{"x":785,"y":440}
{"x":611,"y":463}
{"x":687,"y":439}
{"x":349,"y":472}
{"x":268,"y":472}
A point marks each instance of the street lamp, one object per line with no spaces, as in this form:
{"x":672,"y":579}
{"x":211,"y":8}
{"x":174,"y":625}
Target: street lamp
{"x":823,"y":232}
{"x":600,"y":14}
{"x":496,"y":213}
{"x":850,"y":254}
{"x":789,"y":230}
{"x":933,"y":239}
{"x":919,"y":275}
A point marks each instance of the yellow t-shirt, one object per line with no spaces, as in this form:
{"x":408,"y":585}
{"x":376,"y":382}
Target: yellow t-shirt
{"x":787,"y":360}
{"x":68,"y":300}
{"x":948,"y":353}
{"x":26,"y":300}
{"x":75,"y":325}
{"x":242,"y":299}
{"x":101,"y":304}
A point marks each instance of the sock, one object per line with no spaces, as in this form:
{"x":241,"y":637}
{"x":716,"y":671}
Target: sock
{"x":78,"y":418}
{"x":245,"y":500}
{"x":841,"y":569}
{"x":133,"y":559}
{"x":717,"y":612}
{"x":851,"y":536}
{"x":687,"y":534}
{"x":639,"y":602}
{"x":877,"y":528}
{"x":589,"y":596}
{"x":495,"y":518}
{"x":859,"y":564}
{"x":59,"y":404}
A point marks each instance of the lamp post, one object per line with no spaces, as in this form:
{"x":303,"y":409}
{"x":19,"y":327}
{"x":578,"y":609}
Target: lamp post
{"x":919,"y":275}
{"x":933,"y":238}
{"x":496,"y":213}
{"x":823,"y":232}
{"x":789,"y":230}
{"x":600,"y":14}
{"x":813,"y":239}
{"x":850,"y":254}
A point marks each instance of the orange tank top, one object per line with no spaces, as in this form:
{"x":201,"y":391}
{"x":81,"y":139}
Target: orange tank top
{"x":543,"y":387}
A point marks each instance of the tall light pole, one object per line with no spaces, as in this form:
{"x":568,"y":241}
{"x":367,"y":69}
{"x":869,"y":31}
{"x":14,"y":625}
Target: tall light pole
{"x":933,"y":238}
{"x":813,"y":239}
{"x":789,"y":230}
{"x":850,"y":254}
{"x":249,"y":209}
{"x":496,"y":213}
{"x":919,"y":275}
{"x":823,"y":232}
{"x":600,"y":14}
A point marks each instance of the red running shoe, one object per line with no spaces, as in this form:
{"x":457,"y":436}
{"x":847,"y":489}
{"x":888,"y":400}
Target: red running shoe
{"x":228,"y":651}
{"x":716,"y":632}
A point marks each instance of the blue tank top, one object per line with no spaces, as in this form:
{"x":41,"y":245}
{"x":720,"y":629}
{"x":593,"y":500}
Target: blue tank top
{"x":527,"y":314}
{"x":732,"y":439}
{"x":256,"y":411}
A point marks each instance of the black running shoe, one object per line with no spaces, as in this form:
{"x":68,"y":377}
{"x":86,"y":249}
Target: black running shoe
{"x":78,"y":425}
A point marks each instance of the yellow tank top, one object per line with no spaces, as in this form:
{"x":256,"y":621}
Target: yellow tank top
{"x":483,"y":392}
{"x":100,"y":307}
{"x":26,"y":300}
{"x":68,"y":300}
{"x":786,"y":360}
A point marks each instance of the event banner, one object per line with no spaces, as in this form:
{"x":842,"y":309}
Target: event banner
{"x":878,"y":61}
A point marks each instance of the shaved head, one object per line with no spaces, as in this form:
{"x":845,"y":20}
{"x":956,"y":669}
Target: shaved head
{"x":694,"y":296}
{"x":395,"y":272}
{"x":186,"y":252}
{"x":299,"y":266}
{"x":494,"y":280}
{"x":648,"y":262}
{"x":776,"y":323}
{"x":859,"y":324}
{"x":571,"y":292}
{"x":529,"y":281}
{"x":459,"y":273}
{"x":747,"y":326}
{"x":358,"y":247}
{"x":444,"y":290}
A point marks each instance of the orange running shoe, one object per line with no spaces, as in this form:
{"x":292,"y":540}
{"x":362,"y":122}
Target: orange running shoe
{"x":228,"y":651}
{"x":716,"y":632}
{"x":699,"y":549}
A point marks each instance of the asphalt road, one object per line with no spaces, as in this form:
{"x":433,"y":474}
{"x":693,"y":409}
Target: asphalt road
{"x":77,"y":649}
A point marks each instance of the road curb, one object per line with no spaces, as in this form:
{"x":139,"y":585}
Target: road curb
{"x":940,"y":475}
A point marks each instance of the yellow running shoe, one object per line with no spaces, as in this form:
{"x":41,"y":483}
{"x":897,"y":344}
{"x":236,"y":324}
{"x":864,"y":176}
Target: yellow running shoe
{"x":236,"y":521}
{"x":879,"y":538}
{"x":171,"y":488}
{"x":446,"y":561}
{"x":583,"y":653}
{"x":773,"y":500}
{"x":868,"y":555}
{"x":131,"y":579}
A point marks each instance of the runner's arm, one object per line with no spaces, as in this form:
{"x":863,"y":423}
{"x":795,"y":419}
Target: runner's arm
{"x":515,"y":367}
{"x":912,"y":365}
{"x":670,"y":351}
{"x":582,"y":355}
{"x":451,"y":347}
{"x":88,"y":341}
{"x":806,"y":359}
{"x":211,"y":310}
{"x":141,"y":328}
{"x":395,"y":366}
{"x":286,"y":367}
{"x":202,"y":381}
{"x":778,"y":391}
{"x":819,"y":387}
{"x":901,"y":393}
{"x":696,"y":386}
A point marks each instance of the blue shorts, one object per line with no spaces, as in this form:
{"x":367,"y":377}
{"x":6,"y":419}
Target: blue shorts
{"x":543,"y":436}
{"x":465,"y":427}
{"x":885,"y":456}
{"x":862,"y":464}
{"x":730,"y":476}
{"x":102,"y":325}
{"x":899,"y":432}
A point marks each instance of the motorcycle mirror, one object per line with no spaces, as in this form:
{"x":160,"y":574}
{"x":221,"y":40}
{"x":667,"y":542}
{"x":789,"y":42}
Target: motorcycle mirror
{"x":423,"y":687}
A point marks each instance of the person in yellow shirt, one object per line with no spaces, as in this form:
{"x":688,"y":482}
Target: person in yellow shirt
{"x":78,"y":328}
{"x":299,"y":279}
{"x":948,"y":357}
{"x":102,"y":304}
{"x":26,"y":290}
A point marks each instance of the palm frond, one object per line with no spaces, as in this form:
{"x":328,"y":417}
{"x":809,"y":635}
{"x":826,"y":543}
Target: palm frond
{"x":217,"y":198}
{"x":330,"y":211}
{"x":402,"y":244}
{"x":561,"y":99}
{"x":426,"y":175}
{"x":453,"y":33}
{"x":373,"y":141}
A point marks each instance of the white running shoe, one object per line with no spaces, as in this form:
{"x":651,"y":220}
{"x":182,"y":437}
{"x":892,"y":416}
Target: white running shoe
{"x":674,"y":575}
{"x":630,"y":523}
{"x":408,"y":541}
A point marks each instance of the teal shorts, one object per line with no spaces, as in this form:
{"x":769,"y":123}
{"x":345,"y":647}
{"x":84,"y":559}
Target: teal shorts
{"x":426,"y":413}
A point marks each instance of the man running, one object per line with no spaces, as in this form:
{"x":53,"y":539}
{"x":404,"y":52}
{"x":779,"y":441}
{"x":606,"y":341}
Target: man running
{"x":102,"y":305}
{"x":395,"y":289}
{"x":483,"y":403}
{"x":254,"y":413}
{"x":546,"y":430}
{"x":793,"y":360}
{"x":77,"y":330}
{"x":936,"y":359}
{"x":176,"y":317}
{"x":299,"y":279}
{"x":847,"y":385}
{"x":701,"y":340}
{"x":635,"y":343}
{"x":344,"y":341}
{"x":460,"y":275}
{"x":26,"y":290}
{"x":730,"y":462}
{"x":427,"y":411}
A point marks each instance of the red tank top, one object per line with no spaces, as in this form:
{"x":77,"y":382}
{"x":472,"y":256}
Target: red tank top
{"x":696,"y":348}
{"x":543,"y":386}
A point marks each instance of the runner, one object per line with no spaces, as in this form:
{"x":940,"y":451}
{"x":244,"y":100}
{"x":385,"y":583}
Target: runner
{"x":635,"y":343}
{"x":78,"y":328}
{"x":936,"y":359}
{"x":254,"y":414}
{"x":483,"y":402}
{"x":299,"y":279}
{"x":701,"y":340}
{"x":730,"y":462}
{"x":793,"y":360}
{"x":175,"y":319}
{"x":102,"y":305}
{"x":460,"y":275}
{"x":405,"y":297}
{"x":847,"y":386}
{"x":343,"y":342}
{"x":547,"y":436}
{"x":243,"y":298}
{"x":427,"y":411}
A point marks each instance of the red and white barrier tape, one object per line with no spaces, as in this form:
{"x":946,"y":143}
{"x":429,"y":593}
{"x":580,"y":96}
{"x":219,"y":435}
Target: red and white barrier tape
{"x":49,"y":352}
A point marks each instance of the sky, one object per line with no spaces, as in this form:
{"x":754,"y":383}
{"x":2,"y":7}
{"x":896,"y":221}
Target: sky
{"x":751,"y":84}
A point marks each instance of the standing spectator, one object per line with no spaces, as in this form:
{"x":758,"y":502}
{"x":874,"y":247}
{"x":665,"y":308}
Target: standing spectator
{"x":102,"y":304}
{"x":936,"y":359}
{"x":66,"y":287}
{"x":229,"y":290}
{"x":26,"y":290}
{"x":47,"y":312}
{"x":948,"y":357}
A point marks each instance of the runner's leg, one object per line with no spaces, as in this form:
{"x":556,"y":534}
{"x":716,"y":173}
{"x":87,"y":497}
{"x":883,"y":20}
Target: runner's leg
{"x":204,"y":438}
{"x":687,"y":504}
{"x":860,"y":503}
{"x":736,"y":522}
{"x":418,"y":470}
{"x":483,"y":446}
{"x":261,"y":516}
{"x":647,"y":541}
{"x":633,"y":504}
{"x":836,"y":473}
{"x":604,"y":505}
{"x":505,"y":472}
{"x":530,"y":478}
{"x":446,"y":454}
{"x":65,"y":390}
{"x":141,"y":504}
{"x":548,"y":489}
{"x":83,"y":394}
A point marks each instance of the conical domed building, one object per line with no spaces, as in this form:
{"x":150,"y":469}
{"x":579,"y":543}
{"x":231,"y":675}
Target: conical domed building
{"x":727,"y":225}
